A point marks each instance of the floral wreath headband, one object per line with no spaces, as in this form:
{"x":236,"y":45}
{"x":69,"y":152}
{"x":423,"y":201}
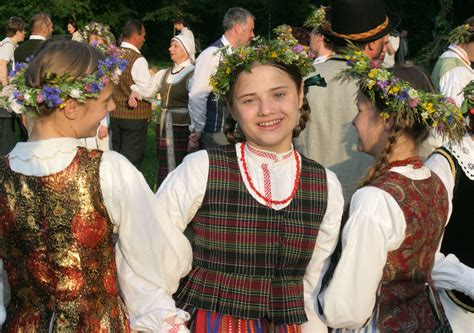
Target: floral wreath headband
{"x":468,"y":103}
{"x":57,"y":89}
{"x":405,"y":104}
{"x":461,"y":34}
{"x":318,"y":19}
{"x":98,"y":29}
{"x":284,"y":49}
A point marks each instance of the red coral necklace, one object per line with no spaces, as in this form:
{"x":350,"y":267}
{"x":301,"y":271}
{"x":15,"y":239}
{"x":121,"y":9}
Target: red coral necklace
{"x":415,"y":161}
{"x":252,"y":186}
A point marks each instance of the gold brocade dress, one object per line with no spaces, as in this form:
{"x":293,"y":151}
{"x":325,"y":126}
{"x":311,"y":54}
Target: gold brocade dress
{"x":56,"y":240}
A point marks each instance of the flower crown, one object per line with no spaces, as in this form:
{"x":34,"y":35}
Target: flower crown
{"x":461,"y":34}
{"x":57,"y":88}
{"x":318,"y":19}
{"x":468,"y":103}
{"x":98,"y":29}
{"x":285,"y":49}
{"x":406,"y":105}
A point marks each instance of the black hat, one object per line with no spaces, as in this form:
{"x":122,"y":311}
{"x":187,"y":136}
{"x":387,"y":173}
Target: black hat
{"x":360,"y":21}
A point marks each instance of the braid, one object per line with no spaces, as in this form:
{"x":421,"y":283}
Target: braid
{"x":231,"y":131}
{"x":376,"y":168}
{"x":304,"y":118}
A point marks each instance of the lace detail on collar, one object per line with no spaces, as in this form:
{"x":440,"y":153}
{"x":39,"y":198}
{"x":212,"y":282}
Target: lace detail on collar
{"x":464,"y":153}
{"x":44,"y":149}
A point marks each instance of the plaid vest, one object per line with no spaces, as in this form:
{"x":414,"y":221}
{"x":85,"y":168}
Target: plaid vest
{"x":122,"y":91}
{"x":404,"y":299}
{"x":56,"y":240}
{"x":249,"y":260}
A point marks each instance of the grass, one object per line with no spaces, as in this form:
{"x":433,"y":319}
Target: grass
{"x":148,"y":167}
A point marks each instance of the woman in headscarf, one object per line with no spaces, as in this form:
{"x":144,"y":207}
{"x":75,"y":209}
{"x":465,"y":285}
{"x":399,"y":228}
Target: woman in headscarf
{"x":173,"y":85}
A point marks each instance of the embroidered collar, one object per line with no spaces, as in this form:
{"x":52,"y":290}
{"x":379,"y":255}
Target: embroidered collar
{"x":267,"y":155}
{"x":130,"y":46}
{"x":44,"y":149}
{"x":464,"y":153}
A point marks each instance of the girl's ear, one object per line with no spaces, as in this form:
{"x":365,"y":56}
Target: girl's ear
{"x":388,"y":124}
{"x":70,"y":108}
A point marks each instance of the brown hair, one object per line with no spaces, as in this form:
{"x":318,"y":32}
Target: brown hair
{"x":418,"y":132}
{"x":61,"y":57}
{"x":38,"y":21}
{"x":13,"y":25}
{"x":231,"y":130}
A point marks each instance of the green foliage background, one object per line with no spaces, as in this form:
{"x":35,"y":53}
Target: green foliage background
{"x":427,"y":21}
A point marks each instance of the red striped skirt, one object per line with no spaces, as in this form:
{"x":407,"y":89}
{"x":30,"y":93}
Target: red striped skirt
{"x":212,"y":322}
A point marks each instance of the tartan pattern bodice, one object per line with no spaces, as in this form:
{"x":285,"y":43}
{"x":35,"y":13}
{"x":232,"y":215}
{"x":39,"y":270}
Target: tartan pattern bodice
{"x":56,"y":240}
{"x":403,"y":300}
{"x":249,"y":260}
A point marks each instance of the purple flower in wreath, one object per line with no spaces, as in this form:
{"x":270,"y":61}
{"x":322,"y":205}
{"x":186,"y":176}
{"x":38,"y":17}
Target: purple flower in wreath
{"x":375,"y":63}
{"x":40,"y":98}
{"x":52,"y":96}
{"x":298,"y":48}
{"x":382,"y":85}
{"x":403,"y":96}
{"x":18,"y":96}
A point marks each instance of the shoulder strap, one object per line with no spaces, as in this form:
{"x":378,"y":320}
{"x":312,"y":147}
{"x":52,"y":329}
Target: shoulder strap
{"x":452,"y":163}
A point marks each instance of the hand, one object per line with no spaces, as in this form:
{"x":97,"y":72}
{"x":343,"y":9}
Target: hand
{"x":153,"y":70}
{"x":193,"y":142}
{"x":133,"y":99}
{"x":102,"y":132}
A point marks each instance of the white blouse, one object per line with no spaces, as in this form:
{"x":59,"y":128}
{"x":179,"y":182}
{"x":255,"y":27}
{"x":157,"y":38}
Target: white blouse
{"x":376,"y":225}
{"x":182,"y":193}
{"x":149,"y":250}
{"x":448,"y":272}
{"x":154,"y":85}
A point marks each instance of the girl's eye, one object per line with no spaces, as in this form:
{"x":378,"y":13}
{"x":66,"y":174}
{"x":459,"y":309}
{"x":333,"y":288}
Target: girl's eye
{"x":279,"y":94}
{"x":248,"y":101}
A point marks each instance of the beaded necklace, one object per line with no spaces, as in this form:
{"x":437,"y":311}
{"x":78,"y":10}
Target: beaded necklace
{"x":415,"y":161}
{"x":260,"y":195}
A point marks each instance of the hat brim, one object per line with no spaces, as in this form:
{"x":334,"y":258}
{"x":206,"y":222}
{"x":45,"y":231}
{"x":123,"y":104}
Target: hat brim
{"x":393,"y":22}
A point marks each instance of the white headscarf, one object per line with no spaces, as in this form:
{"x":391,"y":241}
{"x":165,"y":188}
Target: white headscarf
{"x":187,"y":44}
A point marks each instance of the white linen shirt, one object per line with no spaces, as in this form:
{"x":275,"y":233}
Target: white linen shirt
{"x":206,"y":65}
{"x":182,"y":193}
{"x":154,"y":85}
{"x":448,"y":272}
{"x":453,"y":81}
{"x":148,"y":251}
{"x":376,"y":225}
{"x":140,"y":74}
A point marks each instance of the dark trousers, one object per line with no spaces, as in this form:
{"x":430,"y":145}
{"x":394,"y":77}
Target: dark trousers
{"x":129,"y":138}
{"x":7,"y":132}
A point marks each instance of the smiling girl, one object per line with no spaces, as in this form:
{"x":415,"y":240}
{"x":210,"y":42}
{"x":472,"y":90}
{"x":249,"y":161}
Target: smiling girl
{"x":265,"y":219}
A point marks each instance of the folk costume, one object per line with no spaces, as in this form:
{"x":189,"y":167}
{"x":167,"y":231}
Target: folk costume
{"x":396,"y":220}
{"x":75,"y":225}
{"x":172,"y":132}
{"x":264,"y":226}
{"x":453,"y":272}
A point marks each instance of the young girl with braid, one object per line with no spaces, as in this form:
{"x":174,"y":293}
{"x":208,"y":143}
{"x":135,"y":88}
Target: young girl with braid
{"x":382,"y":282}
{"x":75,"y":223}
{"x":265,"y":219}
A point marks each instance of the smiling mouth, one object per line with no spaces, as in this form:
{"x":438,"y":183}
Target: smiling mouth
{"x":269,"y":123}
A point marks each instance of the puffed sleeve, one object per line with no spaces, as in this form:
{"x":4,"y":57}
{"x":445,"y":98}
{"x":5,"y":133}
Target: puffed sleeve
{"x":325,"y":245}
{"x":376,"y":225}
{"x":152,"y":255}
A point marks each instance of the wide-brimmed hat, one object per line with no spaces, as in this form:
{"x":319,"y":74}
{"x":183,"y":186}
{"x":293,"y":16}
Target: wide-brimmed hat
{"x":360,"y":21}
